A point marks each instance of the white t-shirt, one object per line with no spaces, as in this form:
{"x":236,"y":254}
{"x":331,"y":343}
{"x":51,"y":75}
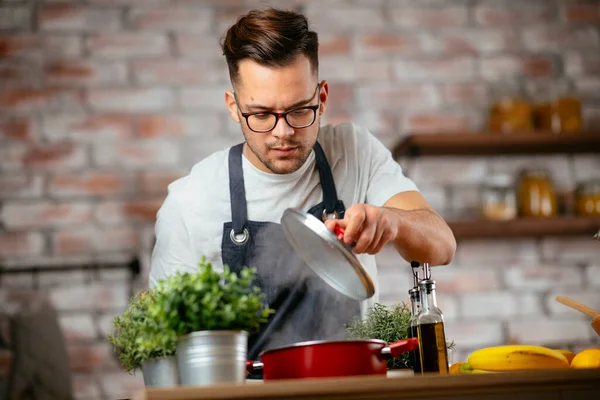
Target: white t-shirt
{"x":190,"y":221}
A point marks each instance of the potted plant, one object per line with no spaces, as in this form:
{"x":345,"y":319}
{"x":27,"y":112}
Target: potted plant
{"x":141,"y":343}
{"x":212,"y":314}
{"x":387,"y":323}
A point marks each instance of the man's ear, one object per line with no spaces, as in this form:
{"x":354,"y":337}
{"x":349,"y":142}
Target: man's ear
{"x":323,"y":96}
{"x":232,"y":106}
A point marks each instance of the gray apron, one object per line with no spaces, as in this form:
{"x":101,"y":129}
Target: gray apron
{"x":307,"y":308}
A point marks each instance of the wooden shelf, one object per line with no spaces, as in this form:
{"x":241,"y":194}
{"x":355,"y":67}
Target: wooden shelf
{"x":484,"y":143}
{"x":522,"y":227}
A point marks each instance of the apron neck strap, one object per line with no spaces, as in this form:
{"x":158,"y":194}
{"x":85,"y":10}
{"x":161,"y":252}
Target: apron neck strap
{"x":327,"y":184}
{"x":237,"y":191}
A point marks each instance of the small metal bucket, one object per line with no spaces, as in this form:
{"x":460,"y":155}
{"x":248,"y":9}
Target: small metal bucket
{"x":160,"y":372}
{"x":212,"y":357}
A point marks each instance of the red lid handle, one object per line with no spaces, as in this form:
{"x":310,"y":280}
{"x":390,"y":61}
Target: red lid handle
{"x":339,"y":232}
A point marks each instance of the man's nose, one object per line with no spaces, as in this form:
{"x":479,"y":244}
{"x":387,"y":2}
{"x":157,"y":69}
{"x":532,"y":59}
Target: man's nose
{"x":282,"y":128}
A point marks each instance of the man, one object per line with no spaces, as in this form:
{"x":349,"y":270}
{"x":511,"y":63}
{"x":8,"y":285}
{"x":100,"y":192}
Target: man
{"x":230,"y":205}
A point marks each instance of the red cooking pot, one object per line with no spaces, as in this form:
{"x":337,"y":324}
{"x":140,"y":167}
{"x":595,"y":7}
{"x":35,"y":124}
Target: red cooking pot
{"x":320,"y":359}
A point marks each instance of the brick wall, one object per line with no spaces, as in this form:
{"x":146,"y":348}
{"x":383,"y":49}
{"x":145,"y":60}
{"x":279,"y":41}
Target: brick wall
{"x":103,"y":103}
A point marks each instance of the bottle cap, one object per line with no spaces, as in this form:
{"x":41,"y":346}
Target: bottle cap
{"x":414,"y":265}
{"x":414,"y":293}
{"x":427,"y":285}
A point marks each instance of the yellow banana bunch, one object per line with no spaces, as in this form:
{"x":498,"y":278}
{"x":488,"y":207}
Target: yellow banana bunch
{"x":569,"y":355}
{"x":464,"y":368}
{"x":517,"y":358}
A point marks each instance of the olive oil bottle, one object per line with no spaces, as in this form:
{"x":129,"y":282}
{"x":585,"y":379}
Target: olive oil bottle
{"x":433,"y":351}
{"x":415,"y":302}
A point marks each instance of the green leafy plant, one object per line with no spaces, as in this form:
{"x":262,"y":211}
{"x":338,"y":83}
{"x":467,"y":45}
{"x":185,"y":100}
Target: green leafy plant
{"x":136,"y":337}
{"x":387,"y":323}
{"x":208,"y":300}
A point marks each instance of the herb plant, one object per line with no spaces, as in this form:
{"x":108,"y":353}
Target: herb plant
{"x":136,"y":337}
{"x":208,"y":300}
{"x":389,"y":324}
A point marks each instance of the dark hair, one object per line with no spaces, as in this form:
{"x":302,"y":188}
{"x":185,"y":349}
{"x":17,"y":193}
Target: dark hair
{"x":271,"y":37}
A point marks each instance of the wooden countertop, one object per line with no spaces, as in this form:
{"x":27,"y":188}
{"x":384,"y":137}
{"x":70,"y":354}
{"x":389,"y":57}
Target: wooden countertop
{"x":531,"y":385}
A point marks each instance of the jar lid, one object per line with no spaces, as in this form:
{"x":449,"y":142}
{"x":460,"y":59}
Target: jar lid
{"x":535,"y":172}
{"x":590,"y":186}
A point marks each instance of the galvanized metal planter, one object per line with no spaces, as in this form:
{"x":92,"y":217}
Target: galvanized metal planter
{"x":212,"y":357}
{"x":161,"y":372}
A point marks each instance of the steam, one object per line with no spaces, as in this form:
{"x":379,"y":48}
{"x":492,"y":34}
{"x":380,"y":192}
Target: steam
{"x":320,"y":316}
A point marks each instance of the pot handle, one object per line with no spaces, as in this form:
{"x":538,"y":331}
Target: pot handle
{"x":253,"y":366}
{"x":400,"y":347}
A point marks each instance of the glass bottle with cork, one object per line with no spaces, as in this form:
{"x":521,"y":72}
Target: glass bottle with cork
{"x":415,"y":307}
{"x":433,"y":351}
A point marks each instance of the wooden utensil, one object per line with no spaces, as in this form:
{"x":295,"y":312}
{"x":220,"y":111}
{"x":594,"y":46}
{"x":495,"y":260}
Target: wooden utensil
{"x":596,"y":325}
{"x":567,"y":301}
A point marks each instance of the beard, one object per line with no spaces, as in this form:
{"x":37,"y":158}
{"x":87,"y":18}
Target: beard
{"x":281,"y":165}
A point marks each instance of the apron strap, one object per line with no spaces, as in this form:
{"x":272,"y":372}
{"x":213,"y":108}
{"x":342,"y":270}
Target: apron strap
{"x":237,"y":191}
{"x":327,"y":184}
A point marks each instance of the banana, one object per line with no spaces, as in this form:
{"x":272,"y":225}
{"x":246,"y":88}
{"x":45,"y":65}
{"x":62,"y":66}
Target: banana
{"x":569,"y":355}
{"x":517,"y":358}
{"x":465,"y":368}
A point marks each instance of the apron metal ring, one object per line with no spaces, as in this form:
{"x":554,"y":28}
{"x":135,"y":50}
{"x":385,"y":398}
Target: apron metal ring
{"x":239,"y":238}
{"x":326,"y":215}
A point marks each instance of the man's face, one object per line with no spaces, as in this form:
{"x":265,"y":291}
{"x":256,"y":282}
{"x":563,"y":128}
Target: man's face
{"x":282,"y":149}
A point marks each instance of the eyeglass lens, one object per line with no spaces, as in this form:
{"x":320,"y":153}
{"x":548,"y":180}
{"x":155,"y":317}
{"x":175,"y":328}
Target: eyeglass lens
{"x":296,"y":119}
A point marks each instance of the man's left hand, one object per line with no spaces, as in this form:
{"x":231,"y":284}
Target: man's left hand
{"x":368,"y":228}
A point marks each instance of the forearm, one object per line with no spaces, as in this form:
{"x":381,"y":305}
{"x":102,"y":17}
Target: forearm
{"x":423,"y":236}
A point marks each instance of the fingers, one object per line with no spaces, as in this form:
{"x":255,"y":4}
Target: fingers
{"x":366,"y":237}
{"x":331,"y":223}
{"x":355,"y":217}
{"x":377,"y":242}
{"x":367,"y":228}
{"x":378,"y":229}
{"x":388,"y":230}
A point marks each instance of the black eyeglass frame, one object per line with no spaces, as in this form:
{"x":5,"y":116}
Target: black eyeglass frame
{"x":283,"y":114}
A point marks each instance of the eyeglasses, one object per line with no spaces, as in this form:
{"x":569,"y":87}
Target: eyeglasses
{"x":265,"y":121}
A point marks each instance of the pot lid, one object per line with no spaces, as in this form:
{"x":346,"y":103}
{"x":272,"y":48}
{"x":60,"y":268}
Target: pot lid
{"x":326,"y":255}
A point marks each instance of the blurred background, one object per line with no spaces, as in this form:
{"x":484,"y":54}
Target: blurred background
{"x":104,"y":102}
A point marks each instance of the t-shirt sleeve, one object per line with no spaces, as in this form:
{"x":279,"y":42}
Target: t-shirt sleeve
{"x":385,"y":176}
{"x":173,"y":250}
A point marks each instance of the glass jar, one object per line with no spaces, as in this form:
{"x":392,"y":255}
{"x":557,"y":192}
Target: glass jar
{"x":510,"y":115}
{"x":560,"y":115}
{"x":588,"y":198}
{"x":556,"y":110}
{"x":498,"y":199}
{"x":569,"y":114}
{"x":536,"y":194}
